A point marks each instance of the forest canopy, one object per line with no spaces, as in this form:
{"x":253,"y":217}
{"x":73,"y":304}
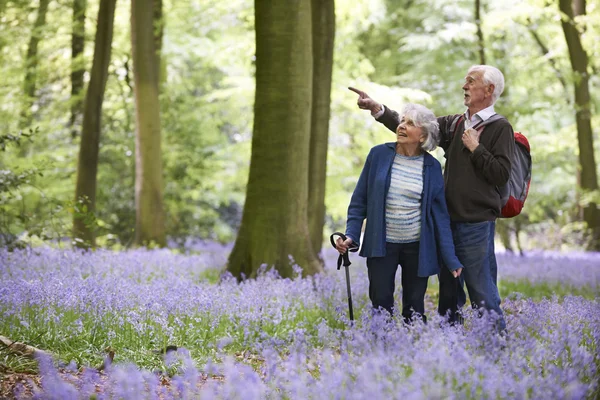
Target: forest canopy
{"x":68,"y":68}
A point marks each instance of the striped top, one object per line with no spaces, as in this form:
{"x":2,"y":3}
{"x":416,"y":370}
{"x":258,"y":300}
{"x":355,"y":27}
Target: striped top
{"x":403,"y":202}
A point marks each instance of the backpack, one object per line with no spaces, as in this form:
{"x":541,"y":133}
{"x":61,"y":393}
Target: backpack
{"x":514,"y":193}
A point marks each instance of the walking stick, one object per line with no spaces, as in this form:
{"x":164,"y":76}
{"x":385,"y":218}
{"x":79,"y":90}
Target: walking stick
{"x":456,"y":316}
{"x":346,"y":261}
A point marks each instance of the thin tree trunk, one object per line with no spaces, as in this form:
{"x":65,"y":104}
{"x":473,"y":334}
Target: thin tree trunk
{"x":150,"y":221}
{"x":518,"y":225}
{"x":323,"y":28}
{"x":3,"y":40}
{"x":545,"y":51}
{"x":274,"y":229}
{"x":31,"y":63}
{"x":77,"y":62}
{"x":87,"y":167}
{"x":480,"y":42}
{"x":579,"y":64}
{"x":579,"y":7}
{"x":503,"y":231}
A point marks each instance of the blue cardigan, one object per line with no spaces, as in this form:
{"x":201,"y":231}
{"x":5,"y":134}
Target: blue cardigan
{"x":368,"y":201}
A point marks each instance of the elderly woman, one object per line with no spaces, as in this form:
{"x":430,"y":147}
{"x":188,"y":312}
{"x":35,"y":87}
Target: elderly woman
{"x":401,"y":194}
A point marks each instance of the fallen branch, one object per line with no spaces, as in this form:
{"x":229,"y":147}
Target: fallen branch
{"x":22,"y":349}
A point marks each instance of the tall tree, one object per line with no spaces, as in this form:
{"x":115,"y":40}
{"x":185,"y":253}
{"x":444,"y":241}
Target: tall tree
{"x":579,"y":63}
{"x":480,"y":42}
{"x":31,"y":63}
{"x":77,"y":64}
{"x":547,"y":55}
{"x":275,"y":223}
{"x":159,"y":29}
{"x":87,"y":167}
{"x":323,"y":33}
{"x":150,"y":220}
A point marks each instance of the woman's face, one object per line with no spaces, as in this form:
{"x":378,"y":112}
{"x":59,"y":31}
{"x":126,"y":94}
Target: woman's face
{"x":408,"y":133}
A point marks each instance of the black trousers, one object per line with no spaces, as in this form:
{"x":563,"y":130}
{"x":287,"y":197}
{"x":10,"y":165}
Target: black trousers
{"x":382,"y":275}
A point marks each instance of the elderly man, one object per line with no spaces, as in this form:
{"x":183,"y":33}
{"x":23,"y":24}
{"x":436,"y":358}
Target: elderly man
{"x":477,"y":163}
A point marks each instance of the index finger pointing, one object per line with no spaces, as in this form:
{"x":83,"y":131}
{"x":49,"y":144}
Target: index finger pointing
{"x":359,"y":92}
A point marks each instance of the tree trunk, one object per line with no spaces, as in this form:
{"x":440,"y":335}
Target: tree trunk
{"x":150,"y":221}
{"x":579,"y":7}
{"x":77,"y":62}
{"x":545,"y":52}
{"x":480,"y":42}
{"x":31,"y":62}
{"x":503,"y":228}
{"x":274,"y":226}
{"x":87,"y":167}
{"x":579,"y":64}
{"x":159,"y":29}
{"x":323,"y":28}
{"x":518,"y":225}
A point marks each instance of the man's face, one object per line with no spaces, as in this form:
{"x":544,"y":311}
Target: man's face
{"x":477,"y":95}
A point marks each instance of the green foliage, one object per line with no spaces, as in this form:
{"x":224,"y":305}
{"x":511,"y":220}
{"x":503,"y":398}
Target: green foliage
{"x":205,"y":336}
{"x":543,"y":290}
{"x":21,"y":221}
{"x":397,"y":50}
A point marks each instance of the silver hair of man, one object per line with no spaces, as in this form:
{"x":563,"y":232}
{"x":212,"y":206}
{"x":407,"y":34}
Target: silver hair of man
{"x":491,"y":76}
{"x":425,"y":119}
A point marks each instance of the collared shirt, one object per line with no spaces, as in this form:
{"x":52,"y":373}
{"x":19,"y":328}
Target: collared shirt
{"x":480,"y":116}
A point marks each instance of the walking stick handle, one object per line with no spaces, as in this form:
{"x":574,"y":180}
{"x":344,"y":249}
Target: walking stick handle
{"x":343,"y":257}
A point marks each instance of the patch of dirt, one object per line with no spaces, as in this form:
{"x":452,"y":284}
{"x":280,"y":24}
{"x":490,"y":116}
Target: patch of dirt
{"x":10,"y":381}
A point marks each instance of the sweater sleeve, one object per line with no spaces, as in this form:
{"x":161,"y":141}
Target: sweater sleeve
{"x":357,"y":210}
{"x":443,"y":231}
{"x":494,"y":163}
{"x":390,"y":119}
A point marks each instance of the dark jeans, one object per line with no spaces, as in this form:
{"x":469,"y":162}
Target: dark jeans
{"x":475,"y":250}
{"x":382,"y":275}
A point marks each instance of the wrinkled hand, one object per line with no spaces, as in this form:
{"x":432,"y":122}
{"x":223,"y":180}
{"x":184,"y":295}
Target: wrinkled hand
{"x":365,"y":102}
{"x":470,"y":139}
{"x":456,"y":272}
{"x":342,"y":245}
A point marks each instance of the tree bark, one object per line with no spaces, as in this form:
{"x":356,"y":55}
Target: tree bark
{"x":274,"y":226}
{"x":77,"y":64}
{"x":587,"y":162}
{"x":480,"y":42}
{"x":150,"y":221}
{"x":579,"y":7}
{"x":159,"y":29}
{"x":87,"y":167}
{"x":323,"y":28}
{"x":31,"y":63}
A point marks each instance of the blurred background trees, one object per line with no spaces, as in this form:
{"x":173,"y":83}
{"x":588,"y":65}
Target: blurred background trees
{"x":194,"y":97}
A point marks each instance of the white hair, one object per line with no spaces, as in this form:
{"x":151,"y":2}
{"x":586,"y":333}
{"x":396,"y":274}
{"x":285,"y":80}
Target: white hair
{"x":425,"y":119}
{"x":491,"y":76}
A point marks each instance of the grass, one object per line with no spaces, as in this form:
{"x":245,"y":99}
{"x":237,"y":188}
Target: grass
{"x":198,"y":333}
{"x":540,"y":291}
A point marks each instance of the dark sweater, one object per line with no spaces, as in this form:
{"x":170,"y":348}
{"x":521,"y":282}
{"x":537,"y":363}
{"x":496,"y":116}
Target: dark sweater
{"x":471,"y":179}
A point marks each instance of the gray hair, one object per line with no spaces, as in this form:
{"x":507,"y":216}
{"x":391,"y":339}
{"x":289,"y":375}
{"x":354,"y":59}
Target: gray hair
{"x":491,"y":76}
{"x":425,"y":119}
